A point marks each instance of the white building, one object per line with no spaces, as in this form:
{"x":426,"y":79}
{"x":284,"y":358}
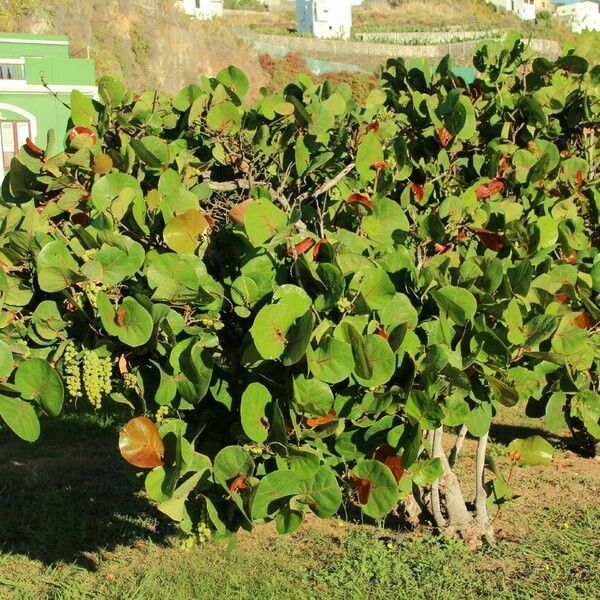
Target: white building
{"x":324,"y":18}
{"x":580,"y":15}
{"x":202,"y":9}
{"x":524,"y":9}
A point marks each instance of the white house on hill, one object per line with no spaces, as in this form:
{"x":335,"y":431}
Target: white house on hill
{"x":524,"y":9}
{"x":580,"y":15}
{"x":324,"y":18}
{"x":202,"y":9}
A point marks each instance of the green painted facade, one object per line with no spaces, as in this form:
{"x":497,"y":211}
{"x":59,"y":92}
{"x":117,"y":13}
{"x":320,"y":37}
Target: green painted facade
{"x":27,"y":61}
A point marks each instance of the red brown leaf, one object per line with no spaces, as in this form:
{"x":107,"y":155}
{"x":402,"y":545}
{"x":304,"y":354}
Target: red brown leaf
{"x":33,"y":147}
{"x":490,"y":239}
{"x":387,"y":455}
{"x":487,"y":190}
{"x":382,"y":332}
{"x":122,"y":363}
{"x":304,"y":246}
{"x":562,"y":297}
{"x":584,"y":320}
{"x":379,"y":165}
{"x":121,"y":317}
{"x":317,"y":247}
{"x":140,"y":444}
{"x":80,"y":219}
{"x":570,"y":258}
{"x":318,"y":421}
{"x":239,"y":483}
{"x":579,"y":178}
{"x":238,"y":213}
{"x":374,"y":127}
{"x":362,"y":487}
{"x":82,"y":131}
{"x":419,"y":191}
{"x":361,"y":199}
{"x":444,"y":137}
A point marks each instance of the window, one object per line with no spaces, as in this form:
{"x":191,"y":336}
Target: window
{"x":10,"y":70}
{"x":13,"y":135}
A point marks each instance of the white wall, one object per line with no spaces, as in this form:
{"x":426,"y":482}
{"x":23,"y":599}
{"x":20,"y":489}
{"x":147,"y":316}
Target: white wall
{"x":324,"y":18}
{"x":524,"y":9}
{"x":580,"y":15}
{"x":202,"y":9}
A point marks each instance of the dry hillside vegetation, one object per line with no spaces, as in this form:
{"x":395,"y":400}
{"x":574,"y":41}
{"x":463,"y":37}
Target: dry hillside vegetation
{"x":166,"y":50}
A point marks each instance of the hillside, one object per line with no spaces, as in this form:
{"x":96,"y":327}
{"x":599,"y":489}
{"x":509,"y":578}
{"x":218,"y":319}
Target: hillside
{"x":165,"y":50}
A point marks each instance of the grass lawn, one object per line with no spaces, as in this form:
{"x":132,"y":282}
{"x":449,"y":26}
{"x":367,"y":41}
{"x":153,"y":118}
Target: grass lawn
{"x":72,"y":526}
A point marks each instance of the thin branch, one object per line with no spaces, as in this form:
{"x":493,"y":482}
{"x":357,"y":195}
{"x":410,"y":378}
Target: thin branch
{"x":45,"y":84}
{"x":331,"y":183}
{"x":481,"y":512}
{"x":462,"y":434}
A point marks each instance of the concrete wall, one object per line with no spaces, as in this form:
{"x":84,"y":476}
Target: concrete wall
{"x":308,"y":46}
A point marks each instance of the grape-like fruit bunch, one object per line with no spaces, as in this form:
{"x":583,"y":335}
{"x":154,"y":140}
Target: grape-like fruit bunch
{"x":161,"y":413}
{"x":90,"y":290}
{"x":130,"y":381}
{"x":72,"y":372}
{"x":96,"y":377}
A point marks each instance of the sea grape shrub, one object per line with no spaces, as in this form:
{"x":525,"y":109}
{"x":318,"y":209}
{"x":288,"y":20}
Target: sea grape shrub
{"x":306,"y":291}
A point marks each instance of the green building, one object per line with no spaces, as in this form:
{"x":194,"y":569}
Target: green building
{"x":27,"y":107}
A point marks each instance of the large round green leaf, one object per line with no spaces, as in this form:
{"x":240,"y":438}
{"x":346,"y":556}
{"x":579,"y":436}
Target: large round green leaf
{"x":381,"y":360}
{"x":378,"y":490}
{"x":36,"y":380}
{"x":332,"y":361}
{"x":231,"y":462}
{"x":21,"y":417}
{"x":183,"y":233}
{"x":532,"y":451}
{"x":6,"y":360}
{"x":273,"y":487}
{"x":374,"y":287}
{"x":263,"y":220}
{"x":131,"y":322}
{"x":459,"y":303}
{"x":255,"y":400}
{"x":324,"y":493}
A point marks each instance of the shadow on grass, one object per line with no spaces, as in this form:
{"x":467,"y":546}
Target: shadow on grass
{"x":67,"y":496}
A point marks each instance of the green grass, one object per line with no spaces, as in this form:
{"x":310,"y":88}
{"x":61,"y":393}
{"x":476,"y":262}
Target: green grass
{"x":73,"y":526}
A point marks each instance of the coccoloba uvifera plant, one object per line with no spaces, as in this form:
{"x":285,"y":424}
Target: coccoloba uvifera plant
{"x":307,"y":294}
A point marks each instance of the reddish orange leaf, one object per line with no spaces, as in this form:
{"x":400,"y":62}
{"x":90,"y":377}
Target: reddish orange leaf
{"x":141,"y":445}
{"x":362,"y":487}
{"x":238,"y":213}
{"x":316,"y":422}
{"x":82,"y":131}
{"x":562,"y":297}
{"x":584,"y":321}
{"x":387,"y":455}
{"x":121,"y":317}
{"x":379,"y":165}
{"x":486,"y":191}
{"x":361,"y":199}
{"x":382,"y":332}
{"x":33,"y":147}
{"x":444,"y":137}
{"x":570,"y":259}
{"x":373,"y":126}
{"x":304,"y":246}
{"x":579,"y":178}
{"x":419,"y":191}
{"x":490,"y":239}
{"x":239,"y":483}
{"x":441,"y":248}
{"x":317,"y":247}
{"x":209,"y":220}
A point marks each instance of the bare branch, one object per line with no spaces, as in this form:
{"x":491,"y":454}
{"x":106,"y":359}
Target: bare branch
{"x":331,"y":183}
{"x":462,"y":434}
